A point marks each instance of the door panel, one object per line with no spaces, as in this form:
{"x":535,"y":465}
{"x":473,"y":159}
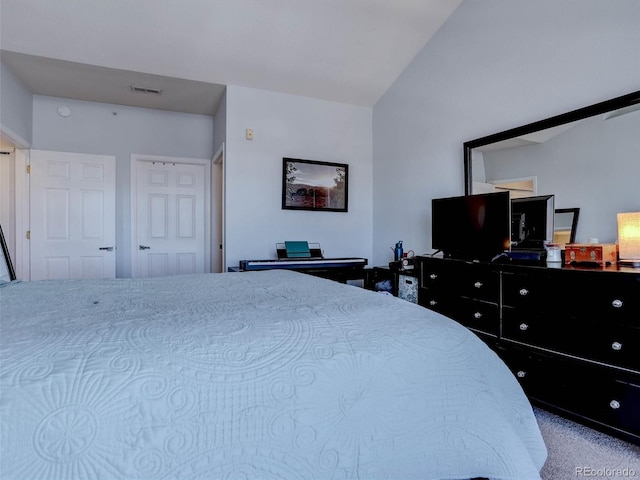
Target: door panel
{"x":72,"y":202}
{"x":170,"y":218}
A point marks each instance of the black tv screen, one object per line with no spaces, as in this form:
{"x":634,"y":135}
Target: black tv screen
{"x":533,"y":222}
{"x":472,"y":227}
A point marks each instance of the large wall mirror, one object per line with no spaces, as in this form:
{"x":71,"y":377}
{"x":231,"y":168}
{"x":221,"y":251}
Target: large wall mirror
{"x":588,"y":158}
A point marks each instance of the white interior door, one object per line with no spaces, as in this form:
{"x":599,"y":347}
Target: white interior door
{"x":170,"y":218}
{"x":72,"y":215}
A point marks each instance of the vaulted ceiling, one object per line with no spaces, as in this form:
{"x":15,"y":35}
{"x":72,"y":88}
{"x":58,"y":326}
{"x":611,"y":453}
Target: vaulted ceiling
{"x":347,"y":51}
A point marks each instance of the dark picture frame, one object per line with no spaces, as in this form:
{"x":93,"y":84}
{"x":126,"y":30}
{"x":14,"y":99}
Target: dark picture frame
{"x":314,"y":185}
{"x":6,"y":267}
{"x":567,"y":213}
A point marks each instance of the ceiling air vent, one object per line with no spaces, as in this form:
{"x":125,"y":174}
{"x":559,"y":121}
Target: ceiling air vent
{"x":155,"y":91}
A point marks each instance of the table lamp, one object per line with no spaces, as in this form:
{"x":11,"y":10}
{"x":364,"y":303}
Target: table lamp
{"x":629,"y":239}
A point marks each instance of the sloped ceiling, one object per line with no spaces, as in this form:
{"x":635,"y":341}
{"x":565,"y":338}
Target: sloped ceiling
{"x":347,"y":51}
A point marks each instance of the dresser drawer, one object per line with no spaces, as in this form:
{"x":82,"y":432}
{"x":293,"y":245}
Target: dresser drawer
{"x":591,"y":392}
{"x":617,"y":404}
{"x":579,"y":294}
{"x":464,"y":279}
{"x":433,"y":300}
{"x":476,"y":315}
{"x":616,"y":301}
{"x":542,"y":376}
{"x":541,"y":292}
{"x":599,"y":341}
{"x":473,"y":314}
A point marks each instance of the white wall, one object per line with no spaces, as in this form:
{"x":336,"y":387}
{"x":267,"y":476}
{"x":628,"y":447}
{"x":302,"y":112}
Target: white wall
{"x":495,"y":64}
{"x":93,"y":128}
{"x":15,"y":108}
{"x":297,"y":127}
{"x":220,"y":124}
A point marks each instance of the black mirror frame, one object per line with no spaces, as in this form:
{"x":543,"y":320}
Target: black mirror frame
{"x":572,"y":116}
{"x":7,"y":257}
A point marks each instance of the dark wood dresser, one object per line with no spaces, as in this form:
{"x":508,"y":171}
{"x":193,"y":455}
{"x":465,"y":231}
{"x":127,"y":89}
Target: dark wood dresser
{"x":570,"y":335}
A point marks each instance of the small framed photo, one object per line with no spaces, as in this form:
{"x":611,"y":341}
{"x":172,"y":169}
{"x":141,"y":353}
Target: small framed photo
{"x":313,"y":185}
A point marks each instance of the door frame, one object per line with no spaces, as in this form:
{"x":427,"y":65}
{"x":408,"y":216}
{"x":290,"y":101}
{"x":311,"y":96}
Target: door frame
{"x":218,"y":161}
{"x":8,"y":198}
{"x":21,"y":194}
{"x":23,"y":216}
{"x":140,"y":157}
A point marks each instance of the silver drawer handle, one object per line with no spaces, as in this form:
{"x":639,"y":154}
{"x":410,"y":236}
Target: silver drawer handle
{"x":433,"y":276}
{"x":477,"y":315}
{"x":478,"y":284}
{"x":616,"y":346}
{"x":521,"y":374}
{"x":617,"y":303}
{"x":524,"y":292}
{"x":614,"y":404}
{"x":432,"y":302}
{"x":524,"y":326}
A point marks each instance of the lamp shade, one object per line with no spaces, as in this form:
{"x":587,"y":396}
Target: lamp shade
{"x":629,"y":238}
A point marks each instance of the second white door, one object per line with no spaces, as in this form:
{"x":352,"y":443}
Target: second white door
{"x":170,"y":218}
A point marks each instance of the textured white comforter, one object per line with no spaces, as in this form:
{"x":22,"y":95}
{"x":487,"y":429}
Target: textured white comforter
{"x":256,"y":375}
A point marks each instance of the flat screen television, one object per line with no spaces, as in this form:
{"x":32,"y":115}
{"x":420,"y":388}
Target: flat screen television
{"x":472,"y":227}
{"x":532,"y":222}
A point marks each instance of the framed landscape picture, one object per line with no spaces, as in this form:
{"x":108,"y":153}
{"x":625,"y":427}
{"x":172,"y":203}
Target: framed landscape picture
{"x":312,"y":185}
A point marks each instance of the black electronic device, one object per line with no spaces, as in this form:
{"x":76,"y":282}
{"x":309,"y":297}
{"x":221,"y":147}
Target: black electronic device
{"x":303,"y":263}
{"x":298,"y":249}
{"x":472,"y":227}
{"x":518,"y":222}
{"x":405,"y":263}
{"x":526,"y":256}
{"x":532,"y":222}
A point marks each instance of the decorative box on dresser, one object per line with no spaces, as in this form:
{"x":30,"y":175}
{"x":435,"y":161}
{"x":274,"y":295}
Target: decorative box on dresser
{"x":408,"y":285}
{"x":571,"y":335}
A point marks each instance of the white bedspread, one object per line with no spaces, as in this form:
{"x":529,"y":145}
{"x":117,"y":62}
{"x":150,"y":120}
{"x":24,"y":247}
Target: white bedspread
{"x":257,"y":375}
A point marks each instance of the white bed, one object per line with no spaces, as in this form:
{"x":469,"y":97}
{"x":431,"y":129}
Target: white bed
{"x":256,"y":375}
